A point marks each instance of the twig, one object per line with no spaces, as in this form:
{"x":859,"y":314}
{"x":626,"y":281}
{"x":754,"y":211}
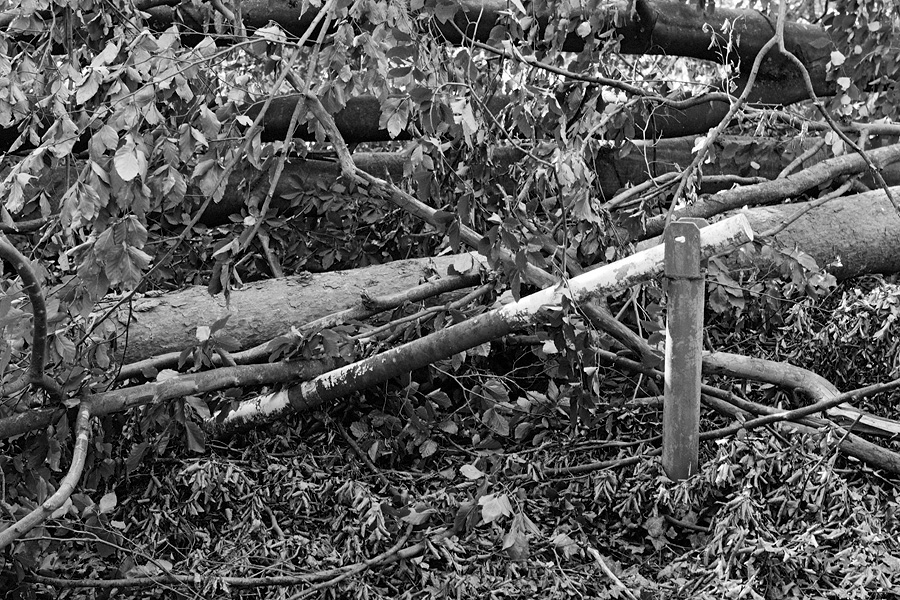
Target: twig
{"x":685,"y":525}
{"x":876,"y":170}
{"x":809,"y":153}
{"x":891,"y":128}
{"x":473,"y":295}
{"x":599,"y":559}
{"x":810,"y":205}
{"x":356,"y":569}
{"x":733,"y":109}
{"x":299,"y":109}
{"x":237,"y":582}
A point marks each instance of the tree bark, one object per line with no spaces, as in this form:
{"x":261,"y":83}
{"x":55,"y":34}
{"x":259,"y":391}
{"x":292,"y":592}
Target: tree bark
{"x":731,"y":155}
{"x":852,"y":236}
{"x":263,"y":310}
{"x":666,"y":28}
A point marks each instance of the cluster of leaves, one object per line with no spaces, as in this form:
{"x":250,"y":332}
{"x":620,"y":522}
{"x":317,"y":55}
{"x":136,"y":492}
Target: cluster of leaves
{"x":851,"y":338}
{"x":867,"y":34}
{"x":770,"y":516}
{"x":777,"y":517}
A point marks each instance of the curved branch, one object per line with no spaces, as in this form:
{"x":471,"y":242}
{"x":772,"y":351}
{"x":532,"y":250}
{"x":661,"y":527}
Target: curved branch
{"x":66,"y":486}
{"x":820,"y":390}
{"x":729,"y":404}
{"x":35,"y":374}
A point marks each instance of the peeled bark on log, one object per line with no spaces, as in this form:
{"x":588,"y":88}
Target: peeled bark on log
{"x":263,"y":310}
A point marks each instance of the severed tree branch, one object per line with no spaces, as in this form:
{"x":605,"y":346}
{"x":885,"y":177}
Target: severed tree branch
{"x":32,"y":286}
{"x":66,"y":486}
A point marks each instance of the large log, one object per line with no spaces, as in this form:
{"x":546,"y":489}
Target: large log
{"x":849,"y":236}
{"x":666,"y":28}
{"x":853,"y":235}
{"x":731,"y":155}
{"x":262,"y":310}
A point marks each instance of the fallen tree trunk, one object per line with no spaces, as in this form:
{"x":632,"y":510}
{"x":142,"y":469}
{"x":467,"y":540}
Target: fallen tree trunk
{"x":474,"y":332}
{"x":416,"y":354}
{"x":852,"y":235}
{"x":260,"y":311}
{"x":666,"y":28}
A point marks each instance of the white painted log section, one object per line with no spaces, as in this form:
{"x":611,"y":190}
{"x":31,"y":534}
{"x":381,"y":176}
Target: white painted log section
{"x":722,"y":236}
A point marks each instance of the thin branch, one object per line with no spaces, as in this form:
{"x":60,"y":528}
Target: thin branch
{"x":889,"y":128}
{"x":433,"y":310}
{"x":32,"y":286}
{"x":241,"y":582}
{"x":359,"y":568}
{"x":299,"y":109}
{"x":715,"y":133}
{"x":599,"y":559}
{"x":809,"y":153}
{"x":875,"y":169}
{"x":66,"y":486}
{"x":810,"y":205}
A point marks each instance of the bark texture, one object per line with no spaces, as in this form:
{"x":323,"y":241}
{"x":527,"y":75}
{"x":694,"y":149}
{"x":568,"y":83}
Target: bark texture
{"x":852,"y":235}
{"x":263,"y":310}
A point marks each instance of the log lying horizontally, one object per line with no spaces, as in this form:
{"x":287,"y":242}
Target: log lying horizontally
{"x":443,"y":344}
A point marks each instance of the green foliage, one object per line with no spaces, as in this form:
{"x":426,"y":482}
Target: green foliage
{"x":867,"y":33}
